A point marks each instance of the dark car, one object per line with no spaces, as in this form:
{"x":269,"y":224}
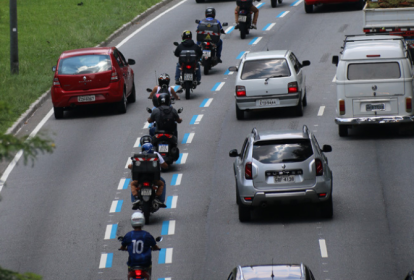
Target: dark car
{"x":92,"y":76}
{"x":272,"y":272}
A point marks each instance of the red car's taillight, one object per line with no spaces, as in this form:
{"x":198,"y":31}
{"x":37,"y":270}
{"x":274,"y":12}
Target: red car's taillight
{"x":114,"y":76}
{"x":341,"y":105}
{"x":248,"y":170}
{"x":319,"y":167}
{"x":292,"y":87}
{"x":56,"y":82}
{"x":240,"y":91}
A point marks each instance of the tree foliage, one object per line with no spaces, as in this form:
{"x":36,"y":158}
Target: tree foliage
{"x":11,"y":275}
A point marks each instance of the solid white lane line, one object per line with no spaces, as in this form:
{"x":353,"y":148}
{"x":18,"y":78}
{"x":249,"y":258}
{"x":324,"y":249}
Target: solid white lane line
{"x":321,"y":109}
{"x":324,"y":250}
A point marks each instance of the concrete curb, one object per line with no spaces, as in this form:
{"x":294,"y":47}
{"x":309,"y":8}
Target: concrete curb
{"x":45,"y":96}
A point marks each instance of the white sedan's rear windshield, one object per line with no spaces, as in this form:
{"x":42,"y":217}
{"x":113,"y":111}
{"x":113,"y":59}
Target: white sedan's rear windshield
{"x":266,"y":68}
{"x":85,"y":64}
{"x":374,"y":71}
{"x":278,"y":151}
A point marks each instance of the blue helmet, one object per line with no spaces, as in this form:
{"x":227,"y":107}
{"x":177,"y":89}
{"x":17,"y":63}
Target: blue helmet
{"x":148,"y":148}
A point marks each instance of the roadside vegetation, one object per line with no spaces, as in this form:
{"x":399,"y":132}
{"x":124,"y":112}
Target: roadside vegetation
{"x":45,"y":29}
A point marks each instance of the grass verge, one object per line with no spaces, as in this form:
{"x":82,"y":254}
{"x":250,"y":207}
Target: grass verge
{"x":45,"y":29}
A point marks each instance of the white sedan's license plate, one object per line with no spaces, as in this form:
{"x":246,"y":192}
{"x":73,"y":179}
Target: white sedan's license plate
{"x":163,"y":148}
{"x":375,"y":107}
{"x":86,"y":98}
{"x":242,"y":18}
{"x":285,"y":179}
{"x":146,"y":192}
{"x":188,"y":77}
{"x":206,"y":53}
{"x":267,"y":102}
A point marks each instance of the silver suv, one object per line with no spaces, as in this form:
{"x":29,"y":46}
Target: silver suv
{"x":282,"y":167}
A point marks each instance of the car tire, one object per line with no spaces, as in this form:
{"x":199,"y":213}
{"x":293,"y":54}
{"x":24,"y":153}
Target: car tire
{"x":274,"y":3}
{"x":199,"y":1}
{"x":244,"y":213}
{"x":308,"y":8}
{"x":343,"y":130}
{"x":305,"y":100}
{"x":132,"y":96}
{"x":280,"y":1}
{"x":327,"y":208}
{"x":238,"y":202}
{"x":239,"y":113}
{"x":58,"y":112}
{"x":299,"y":108}
{"x":122,"y":104}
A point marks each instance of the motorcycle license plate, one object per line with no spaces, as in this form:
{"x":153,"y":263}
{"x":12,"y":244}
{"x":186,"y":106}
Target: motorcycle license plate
{"x":163,"y":148}
{"x":206,"y":53}
{"x":188,"y":77}
{"x":146,"y":192}
{"x":242,"y":18}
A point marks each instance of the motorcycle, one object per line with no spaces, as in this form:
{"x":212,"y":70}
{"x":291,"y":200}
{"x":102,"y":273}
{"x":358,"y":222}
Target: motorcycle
{"x":245,"y":17}
{"x":188,"y":67}
{"x":165,"y":143}
{"x":139,"y":272}
{"x":208,"y":35}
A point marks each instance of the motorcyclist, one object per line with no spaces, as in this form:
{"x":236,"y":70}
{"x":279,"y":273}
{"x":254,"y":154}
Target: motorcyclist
{"x":147,"y":147}
{"x":139,"y":244}
{"x":164,"y":83}
{"x":210,"y":17}
{"x":188,"y":44}
{"x":164,"y":109}
{"x":253,"y":9}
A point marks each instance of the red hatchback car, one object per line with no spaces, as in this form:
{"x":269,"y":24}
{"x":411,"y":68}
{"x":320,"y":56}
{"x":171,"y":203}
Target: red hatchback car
{"x":92,"y":76}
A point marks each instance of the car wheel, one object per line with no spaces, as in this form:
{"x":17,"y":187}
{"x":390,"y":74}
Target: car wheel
{"x":239,"y":113}
{"x":305,"y":100}
{"x":280,"y":1}
{"x":122,"y":104}
{"x":274,"y":3}
{"x":244,"y":213}
{"x":132,"y":96}
{"x":199,"y":1}
{"x":299,"y":108}
{"x":308,"y":8}
{"x":58,"y":112}
{"x":237,"y":195}
{"x":343,"y":130}
{"x":327,"y":208}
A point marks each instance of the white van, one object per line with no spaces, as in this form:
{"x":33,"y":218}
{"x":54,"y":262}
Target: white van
{"x":374,"y":81}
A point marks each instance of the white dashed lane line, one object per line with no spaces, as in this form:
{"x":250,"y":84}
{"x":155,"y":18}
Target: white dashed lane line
{"x":129,"y":161}
{"x":172,"y":202}
{"x":218,"y":86}
{"x":106,"y":260}
{"x":110,"y":232}
{"x":137,"y":144}
{"x":206,"y":102}
{"x":176,"y":179}
{"x":324,"y":250}
{"x":146,"y":125}
{"x":282,"y":14}
{"x":255,"y":40}
{"x":296,"y":3}
{"x":123,"y":183}
{"x":182,"y":158}
{"x":321,"y":110}
{"x":196,"y":119}
{"x":188,"y":138}
{"x":168,"y":227}
{"x":116,"y":206}
{"x":268,"y":26}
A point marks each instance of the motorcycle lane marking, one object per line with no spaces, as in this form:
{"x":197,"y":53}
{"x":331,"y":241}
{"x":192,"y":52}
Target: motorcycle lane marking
{"x":228,"y":72}
{"x":241,"y":54}
{"x":196,"y":119}
{"x":129,"y":161}
{"x":176,"y":179}
{"x":282,"y":14}
{"x":229,"y":30}
{"x":106,"y":260}
{"x":116,"y":206}
{"x":182,"y":159}
{"x":206,"y":102}
{"x":146,"y":125}
{"x":218,"y":86}
{"x":110,"y":232}
{"x":137,"y":144}
{"x":324,"y":250}
{"x":269,"y":26}
{"x":123,"y":183}
{"x":321,"y":110}
{"x":296,"y":3}
{"x":188,"y":138}
{"x":165,"y":255}
{"x":172,"y":202}
{"x":259,"y":5}
{"x":255,"y":40}
{"x":168,"y":227}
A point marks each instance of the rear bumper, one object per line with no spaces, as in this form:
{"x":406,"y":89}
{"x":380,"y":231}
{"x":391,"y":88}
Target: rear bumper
{"x":316,"y":2}
{"x":285,"y":100}
{"x":374,"y":120}
{"x":284,"y":198}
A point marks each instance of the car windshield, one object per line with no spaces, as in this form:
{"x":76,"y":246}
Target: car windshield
{"x":374,"y":71}
{"x":279,"y":151}
{"x":265,"y":68}
{"x":85,"y":64}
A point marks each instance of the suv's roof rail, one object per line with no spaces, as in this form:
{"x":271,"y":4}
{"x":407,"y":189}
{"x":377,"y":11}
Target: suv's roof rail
{"x":305,"y":130}
{"x":256,"y":134}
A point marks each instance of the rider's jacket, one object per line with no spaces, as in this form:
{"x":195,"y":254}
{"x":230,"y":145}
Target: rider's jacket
{"x":139,"y":245}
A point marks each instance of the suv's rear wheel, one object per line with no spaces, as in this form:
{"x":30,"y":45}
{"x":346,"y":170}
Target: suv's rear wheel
{"x":343,"y":130}
{"x":327,"y":208}
{"x":239,"y":113}
{"x":244,"y":213}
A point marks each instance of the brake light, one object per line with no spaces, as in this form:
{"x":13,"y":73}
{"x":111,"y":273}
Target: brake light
{"x":208,"y":43}
{"x":408,"y":104}
{"x":341,"y":105}
{"x":240,"y":91}
{"x":292,"y":87}
{"x":56,"y":82}
{"x":321,"y":194}
{"x":138,"y":274}
{"x":373,"y":55}
{"x":319,"y":167}
{"x":146,"y":184}
{"x":366,"y":30}
{"x":248,"y":198}
{"x":163,"y":134}
{"x":114,"y":76}
{"x":188,"y":66}
{"x":248,"y":171}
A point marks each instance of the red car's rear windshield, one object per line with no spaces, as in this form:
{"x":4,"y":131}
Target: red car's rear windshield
{"x":85,"y":64}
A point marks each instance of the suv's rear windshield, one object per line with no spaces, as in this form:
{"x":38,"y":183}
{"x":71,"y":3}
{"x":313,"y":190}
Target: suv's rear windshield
{"x":266,"y":68}
{"x":85,"y":64}
{"x":278,"y":151}
{"x":374,"y":71}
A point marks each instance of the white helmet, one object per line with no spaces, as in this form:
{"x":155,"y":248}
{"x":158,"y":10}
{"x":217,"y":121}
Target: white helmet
{"x":137,"y":220}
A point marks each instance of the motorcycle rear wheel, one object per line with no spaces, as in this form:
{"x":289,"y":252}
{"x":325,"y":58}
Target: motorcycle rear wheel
{"x":243,"y":32}
{"x":146,"y":209}
{"x":187,"y":90}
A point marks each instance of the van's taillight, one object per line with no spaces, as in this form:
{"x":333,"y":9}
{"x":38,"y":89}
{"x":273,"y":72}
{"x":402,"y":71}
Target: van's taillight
{"x":248,"y":170}
{"x":56,"y":82}
{"x":341,"y":104}
{"x":408,"y":104}
{"x":240,"y":91}
{"x":319,"y":167}
{"x":114,"y":76}
{"x":292,"y":87}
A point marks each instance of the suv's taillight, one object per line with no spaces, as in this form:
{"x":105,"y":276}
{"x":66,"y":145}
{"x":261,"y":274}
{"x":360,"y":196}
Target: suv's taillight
{"x":114,"y":76}
{"x":341,"y":106}
{"x":292,"y":87}
{"x":319,"y":167}
{"x":248,"y":170}
{"x":56,"y":82}
{"x":240,"y":91}
{"x":408,"y":104}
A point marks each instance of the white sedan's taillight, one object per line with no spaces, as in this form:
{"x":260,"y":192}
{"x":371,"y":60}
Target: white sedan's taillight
{"x":292,"y":87}
{"x":240,"y":91}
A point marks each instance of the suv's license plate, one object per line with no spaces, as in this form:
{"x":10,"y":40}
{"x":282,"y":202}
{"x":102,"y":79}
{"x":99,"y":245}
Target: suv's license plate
{"x":163,"y":148}
{"x":267,"y":102}
{"x":206,"y":53}
{"x":242,"y":18}
{"x":375,"y":107}
{"x":188,"y":77}
{"x":146,"y":192}
{"x":285,"y":179}
{"x":86,"y":98}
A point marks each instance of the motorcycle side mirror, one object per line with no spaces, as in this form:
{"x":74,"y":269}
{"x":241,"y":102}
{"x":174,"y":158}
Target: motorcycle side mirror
{"x":233,"y":153}
{"x":131,"y":61}
{"x":179,"y":91}
{"x":120,"y":238}
{"x":305,"y":63}
{"x":54,"y":68}
{"x":175,"y":44}
{"x":149,"y":110}
{"x":180,"y":110}
{"x":149,"y":90}
{"x":158,"y":239}
{"x":233,"y":68}
{"x":197,"y":21}
{"x":224,"y":24}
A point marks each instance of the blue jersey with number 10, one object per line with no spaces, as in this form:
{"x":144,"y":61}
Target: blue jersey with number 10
{"x":139,"y":245}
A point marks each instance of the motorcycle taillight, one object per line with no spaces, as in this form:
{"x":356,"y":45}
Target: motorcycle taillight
{"x":188,"y":66}
{"x":146,"y":184}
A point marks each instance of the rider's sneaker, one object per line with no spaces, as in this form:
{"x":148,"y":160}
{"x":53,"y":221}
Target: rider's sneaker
{"x":198,"y":82}
{"x":254,"y":26}
{"x":161,"y":204}
{"x":219,"y":60}
{"x":135,"y":204}
{"x":237,"y":26}
{"x":177,"y":82}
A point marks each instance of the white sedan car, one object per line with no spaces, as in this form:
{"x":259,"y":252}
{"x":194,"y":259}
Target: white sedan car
{"x":269,"y":79}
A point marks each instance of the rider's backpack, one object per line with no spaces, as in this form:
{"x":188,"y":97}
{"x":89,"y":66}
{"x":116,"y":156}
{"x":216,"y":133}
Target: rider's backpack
{"x":208,"y":31}
{"x":145,"y":167}
{"x":167,"y":120}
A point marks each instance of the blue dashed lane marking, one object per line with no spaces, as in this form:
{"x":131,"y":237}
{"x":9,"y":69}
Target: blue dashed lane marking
{"x":188,"y":137}
{"x":106,"y":260}
{"x":229,"y":30}
{"x":116,"y":206}
{"x":282,"y":14}
{"x":110,"y":232}
{"x":161,"y":256}
{"x":206,"y":102}
{"x":218,"y":86}
{"x":196,"y":119}
{"x":241,"y":54}
{"x":260,"y":5}
{"x":268,"y":26}
{"x":123,"y":183}
{"x":168,"y":228}
{"x":172,"y":202}
{"x":296,"y":3}
{"x":165,"y":255}
{"x":176,"y":87}
{"x":255,"y":41}
{"x":176,"y":179}
{"x":182,"y":158}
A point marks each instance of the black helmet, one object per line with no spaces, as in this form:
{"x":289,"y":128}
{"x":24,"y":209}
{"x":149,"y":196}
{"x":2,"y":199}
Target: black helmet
{"x":210,"y":12}
{"x":164,"y":79}
{"x":164,"y":99}
{"x":145,"y":139}
{"x":186,"y":35}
